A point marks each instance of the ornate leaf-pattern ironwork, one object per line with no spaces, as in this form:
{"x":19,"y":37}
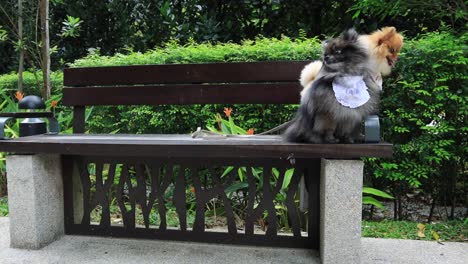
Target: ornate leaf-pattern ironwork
{"x":143,"y":187}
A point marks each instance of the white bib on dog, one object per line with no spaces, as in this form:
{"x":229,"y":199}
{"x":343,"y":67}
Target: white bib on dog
{"x":350,"y":91}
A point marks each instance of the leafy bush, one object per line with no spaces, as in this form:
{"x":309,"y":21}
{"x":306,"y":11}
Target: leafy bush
{"x":262,"y":49}
{"x":32,"y":82}
{"x":454,"y":231}
{"x":424,"y":109}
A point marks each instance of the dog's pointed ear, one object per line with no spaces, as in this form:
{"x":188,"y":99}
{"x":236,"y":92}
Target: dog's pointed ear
{"x":350,"y":35}
{"x":388,"y":32}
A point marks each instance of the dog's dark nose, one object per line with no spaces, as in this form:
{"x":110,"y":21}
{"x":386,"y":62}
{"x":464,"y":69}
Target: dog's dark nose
{"x":326,"y":59}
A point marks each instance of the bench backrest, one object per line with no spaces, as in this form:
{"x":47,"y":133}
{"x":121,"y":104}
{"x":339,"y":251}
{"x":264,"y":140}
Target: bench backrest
{"x":274,"y":82}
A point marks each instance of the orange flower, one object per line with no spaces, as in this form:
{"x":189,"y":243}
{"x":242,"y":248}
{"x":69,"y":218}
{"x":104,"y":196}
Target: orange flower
{"x":19,"y":95}
{"x":192,"y":189}
{"x":53,"y":104}
{"x":227,"y":111}
{"x":250,"y":131}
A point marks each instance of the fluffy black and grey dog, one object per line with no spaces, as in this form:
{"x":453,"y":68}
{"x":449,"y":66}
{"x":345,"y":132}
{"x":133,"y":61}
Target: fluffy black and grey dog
{"x":342,"y":96}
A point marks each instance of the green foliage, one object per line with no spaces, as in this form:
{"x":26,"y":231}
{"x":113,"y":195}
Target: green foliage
{"x":3,"y":34}
{"x":11,"y":128}
{"x":411,"y":16}
{"x":366,"y":199}
{"x":3,"y":206}
{"x":424,"y":110}
{"x":71,"y":27}
{"x":260,"y":49}
{"x":142,"y":25}
{"x":448,"y":231}
{"x":32,"y":82}
{"x":120,"y":25}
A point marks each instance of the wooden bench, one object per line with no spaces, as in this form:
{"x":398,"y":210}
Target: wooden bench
{"x":141,"y":173}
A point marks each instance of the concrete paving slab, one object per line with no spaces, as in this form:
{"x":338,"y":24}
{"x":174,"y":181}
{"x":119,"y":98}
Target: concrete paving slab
{"x":83,"y":249}
{"x":386,"y":251}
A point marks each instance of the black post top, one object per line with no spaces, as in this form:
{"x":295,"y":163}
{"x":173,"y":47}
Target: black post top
{"x":31,"y":102}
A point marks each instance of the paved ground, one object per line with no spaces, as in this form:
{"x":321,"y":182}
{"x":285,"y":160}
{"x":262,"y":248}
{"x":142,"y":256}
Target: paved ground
{"x":80,"y":249}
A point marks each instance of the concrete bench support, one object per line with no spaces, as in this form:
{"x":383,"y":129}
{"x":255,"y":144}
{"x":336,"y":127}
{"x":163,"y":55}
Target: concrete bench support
{"x":35,"y":200}
{"x":340,"y":211}
{"x":37,"y":212}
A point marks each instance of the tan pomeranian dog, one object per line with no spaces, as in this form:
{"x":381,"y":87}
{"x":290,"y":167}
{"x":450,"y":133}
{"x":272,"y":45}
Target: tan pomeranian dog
{"x":383,"y":47}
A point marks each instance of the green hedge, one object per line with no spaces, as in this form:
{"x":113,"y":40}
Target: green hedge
{"x":262,"y":49}
{"x":424,"y":109}
{"x":32,"y":83}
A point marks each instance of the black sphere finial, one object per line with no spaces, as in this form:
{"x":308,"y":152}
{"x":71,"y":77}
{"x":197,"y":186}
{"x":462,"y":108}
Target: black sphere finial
{"x":31,"y":102}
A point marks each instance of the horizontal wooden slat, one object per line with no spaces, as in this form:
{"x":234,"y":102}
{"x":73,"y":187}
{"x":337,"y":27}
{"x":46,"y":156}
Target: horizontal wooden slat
{"x":173,"y":146}
{"x":185,"y":73}
{"x":261,"y":93}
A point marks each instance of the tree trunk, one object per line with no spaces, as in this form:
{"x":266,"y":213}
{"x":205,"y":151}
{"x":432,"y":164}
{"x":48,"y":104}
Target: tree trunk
{"x":20,"y":39}
{"x":45,"y":48}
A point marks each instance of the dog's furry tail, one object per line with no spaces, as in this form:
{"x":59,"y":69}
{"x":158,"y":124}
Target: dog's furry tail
{"x":309,"y":74}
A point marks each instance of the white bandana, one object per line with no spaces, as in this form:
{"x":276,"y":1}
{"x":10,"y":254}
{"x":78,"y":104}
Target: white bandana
{"x":351,"y":91}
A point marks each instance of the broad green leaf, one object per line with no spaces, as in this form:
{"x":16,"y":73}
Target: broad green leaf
{"x":232,"y":126}
{"x":372,"y":201}
{"x":275,"y":172}
{"x":379,"y":193}
{"x":236,"y":187}
{"x":287,"y":178}
{"x":227,"y":171}
{"x":225,"y":129}
{"x":212,"y":129}
{"x":241,"y":174}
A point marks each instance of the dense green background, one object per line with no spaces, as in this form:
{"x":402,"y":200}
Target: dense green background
{"x":139,"y":25}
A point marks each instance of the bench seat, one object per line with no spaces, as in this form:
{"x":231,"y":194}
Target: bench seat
{"x":261,"y":146}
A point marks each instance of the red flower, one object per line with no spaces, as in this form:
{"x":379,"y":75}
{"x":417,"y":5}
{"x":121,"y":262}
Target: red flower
{"x":227,"y":111}
{"x":53,"y":104}
{"x":250,"y":131}
{"x":19,"y":95}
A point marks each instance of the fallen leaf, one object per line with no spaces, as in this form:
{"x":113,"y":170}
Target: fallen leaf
{"x":421,"y":229}
{"x":435,"y":235}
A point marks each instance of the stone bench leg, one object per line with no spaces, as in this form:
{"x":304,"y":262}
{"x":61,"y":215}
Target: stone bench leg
{"x":35,"y":200}
{"x":340,"y":211}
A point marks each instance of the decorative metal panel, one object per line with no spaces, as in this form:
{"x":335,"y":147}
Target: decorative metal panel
{"x":210,"y":200}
